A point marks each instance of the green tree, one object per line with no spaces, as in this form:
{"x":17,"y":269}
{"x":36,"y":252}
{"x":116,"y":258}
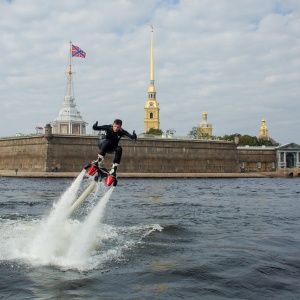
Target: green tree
{"x":154,"y":131}
{"x":249,"y":140}
{"x":197,"y":132}
{"x":193,"y":132}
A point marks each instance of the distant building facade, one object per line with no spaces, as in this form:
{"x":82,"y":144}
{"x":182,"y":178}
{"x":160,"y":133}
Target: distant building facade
{"x":288,"y":156}
{"x":69,"y":120}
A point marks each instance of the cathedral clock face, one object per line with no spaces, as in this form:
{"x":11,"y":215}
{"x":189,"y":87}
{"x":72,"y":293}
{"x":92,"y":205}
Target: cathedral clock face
{"x":151,"y":104}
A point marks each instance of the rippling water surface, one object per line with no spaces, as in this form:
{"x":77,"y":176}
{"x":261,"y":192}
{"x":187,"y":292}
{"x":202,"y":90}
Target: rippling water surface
{"x":150,"y":239}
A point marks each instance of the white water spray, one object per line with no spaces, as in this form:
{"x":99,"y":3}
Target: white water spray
{"x":84,"y":239}
{"x":48,"y":240}
{"x":68,"y":243}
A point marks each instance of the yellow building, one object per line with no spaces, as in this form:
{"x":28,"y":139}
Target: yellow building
{"x":204,"y":128}
{"x":263,"y":131}
{"x":151,"y":109}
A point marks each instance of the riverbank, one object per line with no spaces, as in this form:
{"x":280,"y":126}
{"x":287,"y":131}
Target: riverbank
{"x":22,"y":174}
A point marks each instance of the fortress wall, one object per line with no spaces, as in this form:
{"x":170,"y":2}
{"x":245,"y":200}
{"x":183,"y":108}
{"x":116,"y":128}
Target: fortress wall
{"x":26,"y":153}
{"x":251,"y":158}
{"x":71,"y":153}
{"x":175,"y":156}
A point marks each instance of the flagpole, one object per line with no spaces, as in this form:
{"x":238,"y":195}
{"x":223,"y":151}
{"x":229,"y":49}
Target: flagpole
{"x":70,"y":72}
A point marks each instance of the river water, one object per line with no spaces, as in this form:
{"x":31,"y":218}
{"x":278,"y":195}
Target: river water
{"x":150,"y":239}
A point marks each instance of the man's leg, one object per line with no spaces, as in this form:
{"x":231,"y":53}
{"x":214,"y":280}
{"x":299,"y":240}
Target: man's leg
{"x":104,"y":147}
{"x":117,"y":160}
{"x":118,"y":155}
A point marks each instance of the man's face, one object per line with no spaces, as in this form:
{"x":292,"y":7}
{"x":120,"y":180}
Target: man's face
{"x":116,"y":127}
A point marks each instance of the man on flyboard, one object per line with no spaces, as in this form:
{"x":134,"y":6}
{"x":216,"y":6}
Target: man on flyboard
{"x":108,"y":143}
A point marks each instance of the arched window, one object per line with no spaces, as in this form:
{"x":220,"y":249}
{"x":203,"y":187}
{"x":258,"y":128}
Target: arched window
{"x":151,"y":115}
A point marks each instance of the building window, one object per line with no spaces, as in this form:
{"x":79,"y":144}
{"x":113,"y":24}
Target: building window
{"x":259,"y":165}
{"x":242,"y":165}
{"x":151,"y":115}
{"x":64,"y":129}
{"x":75,"y":129}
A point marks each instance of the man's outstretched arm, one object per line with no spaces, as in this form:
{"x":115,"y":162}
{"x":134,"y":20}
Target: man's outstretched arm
{"x":102,"y":127}
{"x":131,"y":136}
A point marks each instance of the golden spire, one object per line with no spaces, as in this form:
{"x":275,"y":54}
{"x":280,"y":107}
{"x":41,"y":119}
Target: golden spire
{"x":152,"y":87}
{"x":151,"y":109}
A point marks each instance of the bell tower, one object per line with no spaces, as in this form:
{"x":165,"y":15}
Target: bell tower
{"x":205,"y":128}
{"x":151,"y":109}
{"x":263,"y":131}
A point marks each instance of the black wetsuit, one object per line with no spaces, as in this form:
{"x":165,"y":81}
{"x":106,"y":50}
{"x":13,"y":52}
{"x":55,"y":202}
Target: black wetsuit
{"x":110,"y":140}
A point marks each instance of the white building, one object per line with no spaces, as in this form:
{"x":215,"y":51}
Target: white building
{"x":288,"y":156}
{"x":69,"y":120}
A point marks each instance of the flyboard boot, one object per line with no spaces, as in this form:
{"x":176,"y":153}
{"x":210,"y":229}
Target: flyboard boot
{"x":113,"y":170}
{"x":96,"y":169}
{"x":93,"y":167}
{"x":112,"y":176}
{"x":100,"y":159}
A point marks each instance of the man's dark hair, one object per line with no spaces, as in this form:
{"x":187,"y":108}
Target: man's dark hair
{"x":118,"y":122}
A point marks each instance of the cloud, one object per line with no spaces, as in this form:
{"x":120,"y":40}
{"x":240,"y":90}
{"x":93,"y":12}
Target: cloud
{"x":236,"y":60}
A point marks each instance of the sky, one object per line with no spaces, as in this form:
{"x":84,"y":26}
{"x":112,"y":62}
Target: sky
{"x":239,"y":61}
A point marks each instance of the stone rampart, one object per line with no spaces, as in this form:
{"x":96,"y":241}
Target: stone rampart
{"x":178,"y":156}
{"x":26,"y":153}
{"x":70,"y":153}
{"x":257,"y":159}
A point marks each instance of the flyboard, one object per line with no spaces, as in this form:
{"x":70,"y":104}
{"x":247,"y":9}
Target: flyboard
{"x":100,"y":174}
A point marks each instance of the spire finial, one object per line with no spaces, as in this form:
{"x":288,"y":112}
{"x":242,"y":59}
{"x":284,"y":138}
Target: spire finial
{"x":151,"y":58}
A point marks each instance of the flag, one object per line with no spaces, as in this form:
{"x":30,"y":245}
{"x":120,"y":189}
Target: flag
{"x":77,"y":52}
